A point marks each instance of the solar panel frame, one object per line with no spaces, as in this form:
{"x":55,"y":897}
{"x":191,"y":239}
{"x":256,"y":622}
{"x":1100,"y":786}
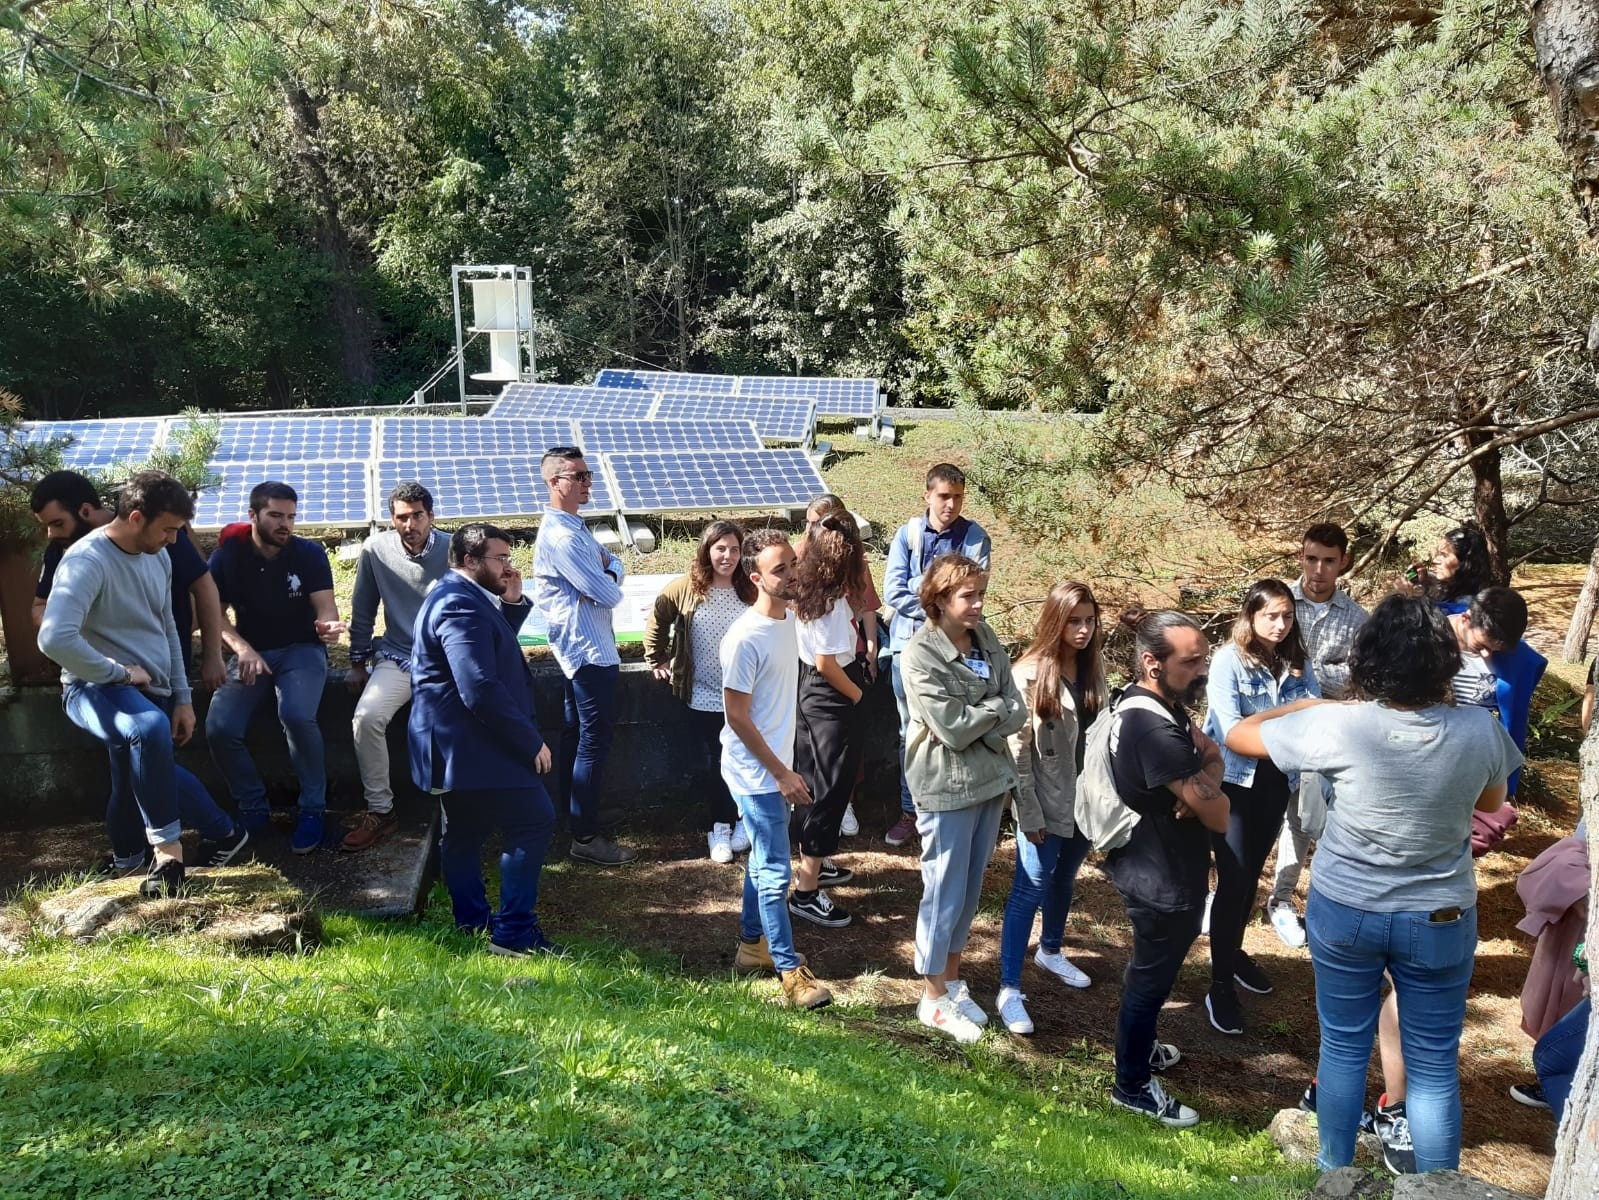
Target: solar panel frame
{"x":464,"y":437}
{"x":835,"y":397}
{"x":334,"y":493}
{"x":99,"y":444}
{"x":611,"y":436}
{"x":776,"y":419}
{"x":737,"y":480}
{"x":294,"y":439}
{"x":571,"y":402}
{"x":495,"y":487}
{"x":667,"y":381}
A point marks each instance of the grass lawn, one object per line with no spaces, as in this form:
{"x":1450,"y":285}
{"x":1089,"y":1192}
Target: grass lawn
{"x":400,"y":1060}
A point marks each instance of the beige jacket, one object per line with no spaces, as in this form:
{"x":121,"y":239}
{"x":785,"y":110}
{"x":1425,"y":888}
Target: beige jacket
{"x":956,"y":755}
{"x":1046,"y":763}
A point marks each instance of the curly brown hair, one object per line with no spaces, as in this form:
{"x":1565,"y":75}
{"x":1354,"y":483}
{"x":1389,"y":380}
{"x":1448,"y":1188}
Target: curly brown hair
{"x":834,"y":559}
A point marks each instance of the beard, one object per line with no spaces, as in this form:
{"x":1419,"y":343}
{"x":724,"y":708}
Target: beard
{"x":1190,"y":695}
{"x":488,"y":580}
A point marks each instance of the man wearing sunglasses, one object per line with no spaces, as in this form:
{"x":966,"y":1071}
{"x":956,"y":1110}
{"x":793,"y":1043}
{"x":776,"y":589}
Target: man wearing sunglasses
{"x":576,"y":584}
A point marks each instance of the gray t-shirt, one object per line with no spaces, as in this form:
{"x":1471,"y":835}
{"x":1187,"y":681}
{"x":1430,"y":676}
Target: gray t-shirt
{"x":1398,"y":836}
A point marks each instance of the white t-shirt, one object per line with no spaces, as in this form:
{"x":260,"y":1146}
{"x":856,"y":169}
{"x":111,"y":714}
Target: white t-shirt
{"x":831,"y":634}
{"x":712,"y":619}
{"x":760,"y":658}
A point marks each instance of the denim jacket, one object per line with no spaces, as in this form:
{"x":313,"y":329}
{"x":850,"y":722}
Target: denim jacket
{"x":1237,"y":690}
{"x":902,"y":577}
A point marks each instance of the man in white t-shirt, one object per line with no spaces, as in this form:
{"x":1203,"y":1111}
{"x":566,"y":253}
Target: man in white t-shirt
{"x":760,"y":694}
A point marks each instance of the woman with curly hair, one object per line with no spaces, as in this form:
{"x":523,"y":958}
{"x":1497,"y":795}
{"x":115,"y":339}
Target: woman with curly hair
{"x":683,"y":642}
{"x":828,"y":737}
{"x":1458,"y":570}
{"x":1393,"y":888}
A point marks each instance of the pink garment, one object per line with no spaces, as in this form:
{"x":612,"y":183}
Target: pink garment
{"x":1553,"y":887}
{"x":1489,"y":829}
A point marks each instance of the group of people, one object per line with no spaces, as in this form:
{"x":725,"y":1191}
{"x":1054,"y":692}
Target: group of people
{"x":1379,"y":737}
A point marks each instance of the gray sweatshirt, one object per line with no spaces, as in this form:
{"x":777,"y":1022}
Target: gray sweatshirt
{"x":386,"y":572}
{"x":108,"y":607}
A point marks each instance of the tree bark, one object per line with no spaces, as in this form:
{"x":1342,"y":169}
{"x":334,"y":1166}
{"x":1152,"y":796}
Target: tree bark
{"x":1582,"y":618}
{"x":349,"y":317}
{"x":1565,"y":35}
{"x":1488,"y":505}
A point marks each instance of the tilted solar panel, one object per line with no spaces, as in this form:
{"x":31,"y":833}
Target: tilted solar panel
{"x":96,"y":445}
{"x":455,"y":437}
{"x":563,"y":401}
{"x":776,"y":419}
{"x":609,"y":436}
{"x":330,"y":492}
{"x":493,"y":487}
{"x":666,"y":381}
{"x":286,"y":439}
{"x":834,"y":397}
{"x":687,"y":481}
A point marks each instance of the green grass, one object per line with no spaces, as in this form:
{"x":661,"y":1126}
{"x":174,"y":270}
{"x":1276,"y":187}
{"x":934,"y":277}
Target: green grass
{"x":399,"y":1061}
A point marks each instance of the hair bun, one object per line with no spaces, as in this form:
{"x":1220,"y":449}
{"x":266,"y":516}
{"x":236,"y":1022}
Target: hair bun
{"x":1132,"y":617}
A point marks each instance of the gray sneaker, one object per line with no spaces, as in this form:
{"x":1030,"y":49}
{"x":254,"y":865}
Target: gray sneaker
{"x":602,"y":851}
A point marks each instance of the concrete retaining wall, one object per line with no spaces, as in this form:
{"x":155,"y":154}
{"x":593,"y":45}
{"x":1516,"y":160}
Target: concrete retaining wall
{"x":50,"y":771}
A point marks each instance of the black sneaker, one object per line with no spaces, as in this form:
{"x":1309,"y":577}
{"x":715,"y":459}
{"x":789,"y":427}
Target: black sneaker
{"x":603,"y":852}
{"x":1221,"y":1003}
{"x":1368,"y":1123}
{"x":818,"y":909}
{"x":221,"y":853}
{"x":1163,"y":1056}
{"x":1250,"y":977}
{"x":164,"y":880}
{"x":1530,"y":1094}
{"x":833,"y":875}
{"x":1152,"y":1101}
{"x":1393,"y":1130}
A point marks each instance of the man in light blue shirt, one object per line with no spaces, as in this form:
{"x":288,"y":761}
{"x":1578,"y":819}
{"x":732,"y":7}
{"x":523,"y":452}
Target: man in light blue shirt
{"x":576,"y":584}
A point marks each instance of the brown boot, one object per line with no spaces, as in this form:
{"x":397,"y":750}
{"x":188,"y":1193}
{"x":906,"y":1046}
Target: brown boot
{"x":369,"y":829}
{"x":802,"y":990}
{"x":755,"y":956}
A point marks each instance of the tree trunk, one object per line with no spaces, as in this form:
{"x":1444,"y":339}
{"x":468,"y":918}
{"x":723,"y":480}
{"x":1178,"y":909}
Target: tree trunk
{"x":1582,"y":619}
{"x":1575,"y":1175}
{"x":1565,"y":34}
{"x":349,"y":318}
{"x":1488,"y":506}
{"x":18,"y":574}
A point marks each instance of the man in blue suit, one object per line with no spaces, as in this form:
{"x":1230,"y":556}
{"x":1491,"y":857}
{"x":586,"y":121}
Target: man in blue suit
{"x":474,"y":740}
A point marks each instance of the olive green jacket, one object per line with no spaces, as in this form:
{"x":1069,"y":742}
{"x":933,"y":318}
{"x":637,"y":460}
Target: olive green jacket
{"x":666,"y":637}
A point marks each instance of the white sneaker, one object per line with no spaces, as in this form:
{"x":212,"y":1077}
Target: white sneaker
{"x":721,"y":842}
{"x":961,"y":996}
{"x":942,"y":1015}
{"x":1290,"y":929}
{"x":1204,"y":923}
{"x":1059,"y":966}
{"x":849,"y":826}
{"x":740,"y":841}
{"x":1013,"y":1012}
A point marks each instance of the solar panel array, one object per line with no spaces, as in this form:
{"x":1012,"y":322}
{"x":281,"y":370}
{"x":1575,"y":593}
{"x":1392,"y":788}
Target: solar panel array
{"x":435,"y":437}
{"x":96,"y":445}
{"x":609,"y":436}
{"x":835,"y":397}
{"x":686,"y":481}
{"x":561,"y":400}
{"x":292,"y":439}
{"x":495,"y":485}
{"x":330,"y":493}
{"x":776,"y":420}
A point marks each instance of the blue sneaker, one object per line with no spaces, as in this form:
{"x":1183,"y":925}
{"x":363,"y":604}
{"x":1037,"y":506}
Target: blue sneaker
{"x":256,"y":823}
{"x":307,"y":833}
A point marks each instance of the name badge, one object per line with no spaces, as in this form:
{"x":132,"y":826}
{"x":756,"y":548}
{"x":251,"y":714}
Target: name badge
{"x":979,"y":667}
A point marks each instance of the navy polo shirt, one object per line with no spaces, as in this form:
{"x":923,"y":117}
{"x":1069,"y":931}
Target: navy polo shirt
{"x":271,"y":597}
{"x":187,"y":566}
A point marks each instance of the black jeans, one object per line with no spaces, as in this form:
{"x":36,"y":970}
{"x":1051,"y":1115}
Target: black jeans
{"x":1160,"y":943}
{"x":827,"y":754}
{"x":708,"y":727}
{"x":1255,"y":820}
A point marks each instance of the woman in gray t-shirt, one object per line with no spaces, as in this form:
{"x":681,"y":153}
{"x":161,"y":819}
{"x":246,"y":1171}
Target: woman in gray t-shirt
{"x":1393,"y":888}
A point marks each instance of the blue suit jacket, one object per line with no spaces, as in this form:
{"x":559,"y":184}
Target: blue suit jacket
{"x":472,"y":725}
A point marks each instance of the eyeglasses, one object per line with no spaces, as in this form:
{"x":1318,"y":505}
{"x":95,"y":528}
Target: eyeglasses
{"x":504,"y":559}
{"x":580,"y":476}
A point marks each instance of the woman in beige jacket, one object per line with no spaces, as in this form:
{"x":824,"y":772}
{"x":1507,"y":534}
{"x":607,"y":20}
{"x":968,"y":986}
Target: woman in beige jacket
{"x":1062,"y":677}
{"x":963,"y":704}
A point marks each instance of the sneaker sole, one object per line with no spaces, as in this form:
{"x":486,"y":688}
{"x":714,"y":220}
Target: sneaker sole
{"x":951,"y":1034}
{"x":841,"y":880}
{"x":1079,"y":984}
{"x":601,"y":862}
{"x":306,"y":849}
{"x":824,"y":922}
{"x":1521,"y":1098}
{"x":1217,"y":1025}
{"x":1169,"y":1122}
{"x":1265,"y":991}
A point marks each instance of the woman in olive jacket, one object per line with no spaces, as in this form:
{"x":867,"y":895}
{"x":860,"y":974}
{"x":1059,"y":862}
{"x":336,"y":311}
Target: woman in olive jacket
{"x":963,"y":704}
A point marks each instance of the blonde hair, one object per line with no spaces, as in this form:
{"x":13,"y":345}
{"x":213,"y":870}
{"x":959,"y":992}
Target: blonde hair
{"x":943,"y":578}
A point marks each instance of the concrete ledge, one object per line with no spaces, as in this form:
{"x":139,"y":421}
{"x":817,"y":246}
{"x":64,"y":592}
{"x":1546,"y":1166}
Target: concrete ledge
{"x":51,"y":772}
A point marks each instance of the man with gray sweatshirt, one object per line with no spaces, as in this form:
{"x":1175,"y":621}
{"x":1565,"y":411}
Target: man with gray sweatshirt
{"x":398,"y":567}
{"x":108,"y":622}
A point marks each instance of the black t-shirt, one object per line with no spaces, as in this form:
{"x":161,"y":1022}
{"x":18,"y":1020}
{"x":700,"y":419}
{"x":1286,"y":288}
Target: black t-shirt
{"x":1166,"y":862}
{"x":187,"y":566}
{"x":271,"y":597}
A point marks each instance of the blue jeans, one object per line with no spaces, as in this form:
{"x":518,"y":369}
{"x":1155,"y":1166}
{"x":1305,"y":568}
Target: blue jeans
{"x":526,"y":816}
{"x":1045,"y":876}
{"x":136,"y":731}
{"x":1557,"y":1053}
{"x":299,"y":673}
{"x":766,"y":876}
{"x":586,"y":740}
{"x":956,"y":847}
{"x":906,"y":804}
{"x":1430,"y":963}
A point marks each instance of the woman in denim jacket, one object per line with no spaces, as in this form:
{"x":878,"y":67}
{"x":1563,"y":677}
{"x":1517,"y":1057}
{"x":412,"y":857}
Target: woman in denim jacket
{"x":1262,"y":667}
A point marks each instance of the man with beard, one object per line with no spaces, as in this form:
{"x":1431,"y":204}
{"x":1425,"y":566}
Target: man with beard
{"x":475,"y":742}
{"x":108,"y":622}
{"x":67,"y":506}
{"x":1169,"y":773}
{"x":280,"y":588}
{"x":398,"y":567}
